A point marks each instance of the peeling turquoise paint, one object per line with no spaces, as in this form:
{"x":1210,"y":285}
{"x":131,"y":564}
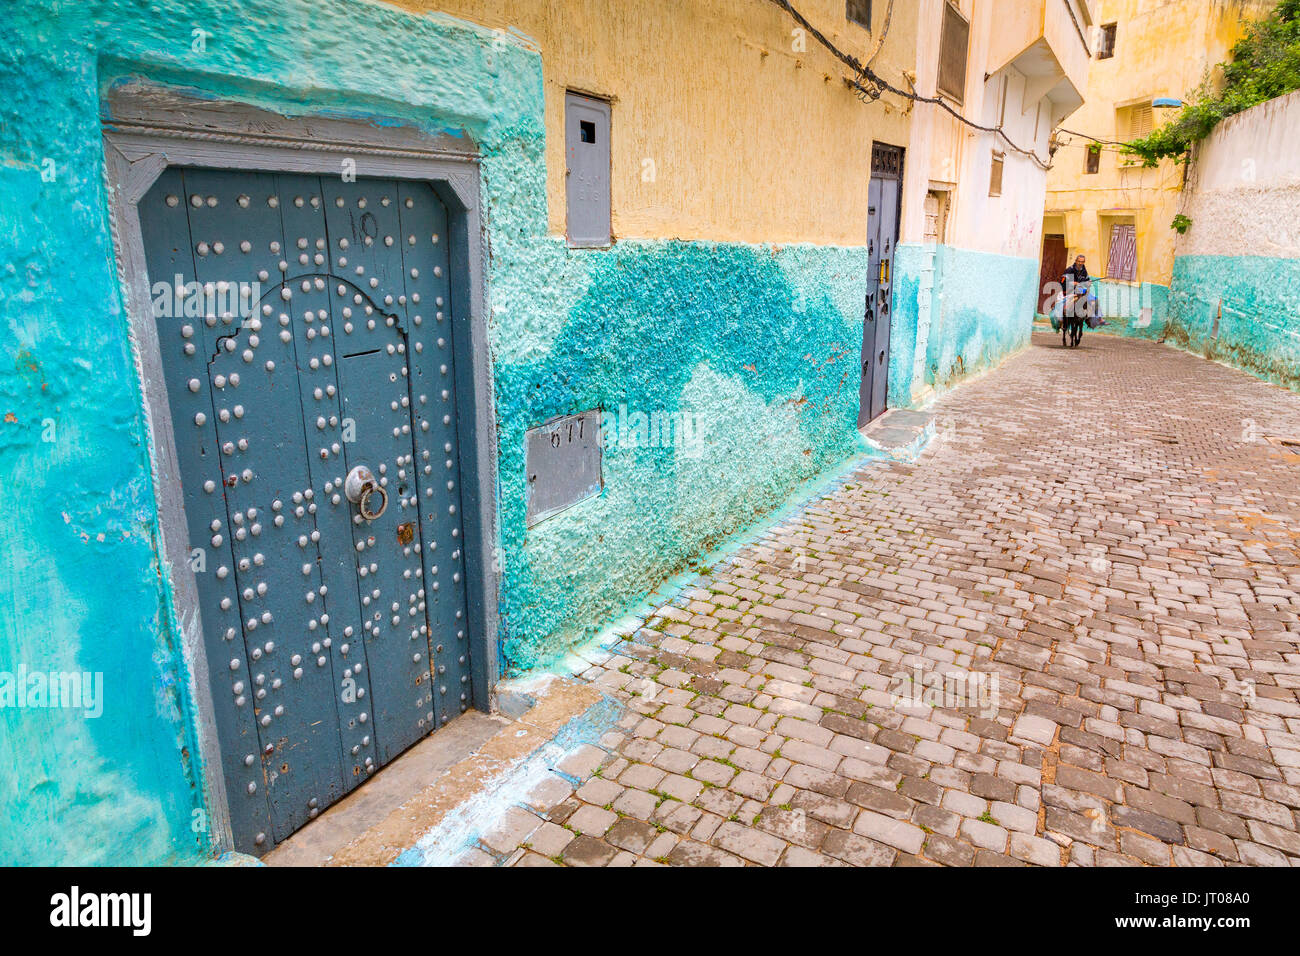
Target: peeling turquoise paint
{"x":1242,"y":310}
{"x":913,"y":275}
{"x":760,"y":345}
{"x":981,"y":310}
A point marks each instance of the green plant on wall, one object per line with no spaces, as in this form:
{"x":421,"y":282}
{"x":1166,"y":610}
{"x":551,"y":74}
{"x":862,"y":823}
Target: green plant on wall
{"x":1265,"y":63}
{"x":1180,"y":224}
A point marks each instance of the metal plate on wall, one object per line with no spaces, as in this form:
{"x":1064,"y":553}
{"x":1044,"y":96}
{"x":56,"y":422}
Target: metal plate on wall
{"x":587,"y":184}
{"x":563,"y":464}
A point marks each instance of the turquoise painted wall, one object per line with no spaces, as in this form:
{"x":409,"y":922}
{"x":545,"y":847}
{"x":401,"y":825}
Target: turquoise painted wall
{"x":981,"y":311}
{"x":913,"y":266}
{"x":761,"y":343}
{"x":758,"y":345}
{"x":1122,"y":306}
{"x":1242,"y":310}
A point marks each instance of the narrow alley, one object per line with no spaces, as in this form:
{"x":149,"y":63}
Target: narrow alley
{"x":1109,"y":532}
{"x":477,"y":434}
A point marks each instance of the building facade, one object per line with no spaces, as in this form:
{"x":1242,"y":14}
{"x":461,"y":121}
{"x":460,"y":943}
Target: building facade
{"x":1107,"y":206}
{"x":1235,"y":291}
{"x":968,"y":258}
{"x":360,"y":353}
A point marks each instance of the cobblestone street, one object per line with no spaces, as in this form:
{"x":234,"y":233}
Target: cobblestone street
{"x":1105,"y":535}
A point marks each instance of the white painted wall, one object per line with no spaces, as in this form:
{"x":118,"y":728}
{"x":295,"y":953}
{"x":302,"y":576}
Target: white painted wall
{"x":1243,"y":194}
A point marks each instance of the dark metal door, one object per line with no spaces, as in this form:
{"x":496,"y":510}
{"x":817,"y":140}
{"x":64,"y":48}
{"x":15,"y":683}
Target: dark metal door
{"x":884,"y":197}
{"x":866,"y":389}
{"x":307,"y":350}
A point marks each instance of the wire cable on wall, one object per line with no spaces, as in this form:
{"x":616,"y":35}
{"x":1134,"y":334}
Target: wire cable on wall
{"x":869,"y":85}
{"x":1094,"y":139}
{"x":884,"y":32}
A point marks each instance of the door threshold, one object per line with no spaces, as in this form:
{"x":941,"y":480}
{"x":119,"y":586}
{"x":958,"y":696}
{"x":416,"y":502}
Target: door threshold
{"x":900,"y":433}
{"x":416,"y":792}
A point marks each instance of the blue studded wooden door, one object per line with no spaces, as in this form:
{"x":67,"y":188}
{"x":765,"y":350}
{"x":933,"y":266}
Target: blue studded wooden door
{"x":306,"y":339}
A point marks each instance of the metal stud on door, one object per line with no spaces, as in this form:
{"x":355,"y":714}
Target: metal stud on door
{"x":298,"y":376}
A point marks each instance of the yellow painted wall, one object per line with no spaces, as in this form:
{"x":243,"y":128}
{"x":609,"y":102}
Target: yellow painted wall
{"x":1163,"y":48}
{"x":751,"y":139}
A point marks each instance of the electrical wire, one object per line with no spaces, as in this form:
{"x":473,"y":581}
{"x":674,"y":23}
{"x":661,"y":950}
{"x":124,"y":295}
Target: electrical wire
{"x":884,"y":32}
{"x":1094,"y":139}
{"x":878,"y":84}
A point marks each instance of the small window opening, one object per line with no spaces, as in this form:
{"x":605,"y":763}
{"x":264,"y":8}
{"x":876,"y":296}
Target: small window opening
{"x":995,"y":174}
{"x":1106,"y":41}
{"x":1093,"y":163}
{"x":588,"y":131}
{"x":954,"y":40}
{"x":859,"y":12}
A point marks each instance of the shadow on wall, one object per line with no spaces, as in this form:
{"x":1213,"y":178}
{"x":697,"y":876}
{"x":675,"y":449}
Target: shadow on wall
{"x":750,"y":352}
{"x":1241,"y":310}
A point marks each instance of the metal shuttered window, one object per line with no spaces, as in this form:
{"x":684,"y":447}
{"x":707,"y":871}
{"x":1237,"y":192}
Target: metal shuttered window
{"x":1121,"y":263}
{"x":953,"y":43}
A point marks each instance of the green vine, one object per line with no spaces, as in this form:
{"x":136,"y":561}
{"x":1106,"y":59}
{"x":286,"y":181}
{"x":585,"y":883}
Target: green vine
{"x":1181,"y":224}
{"x":1263,"y":64}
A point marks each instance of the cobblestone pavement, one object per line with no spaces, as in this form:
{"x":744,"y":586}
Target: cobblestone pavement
{"x":1068,"y":634}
